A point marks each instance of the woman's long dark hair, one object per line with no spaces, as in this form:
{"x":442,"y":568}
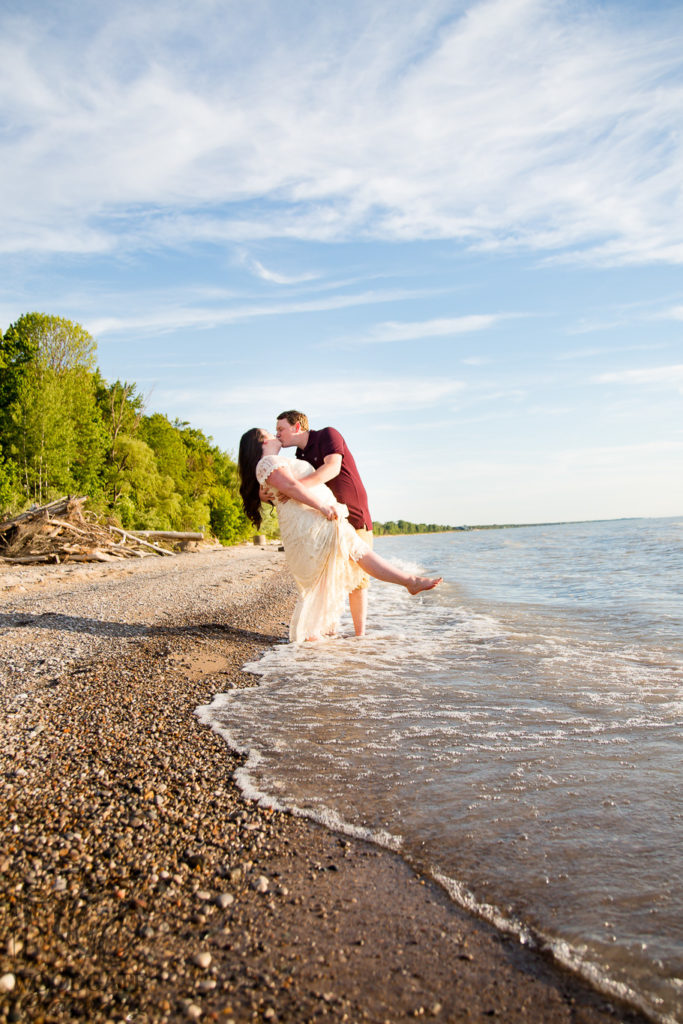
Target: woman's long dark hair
{"x":251,"y":451}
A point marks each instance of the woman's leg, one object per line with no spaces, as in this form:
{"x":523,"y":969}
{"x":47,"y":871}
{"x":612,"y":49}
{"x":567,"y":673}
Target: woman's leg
{"x":388,"y":573}
{"x":358,"y":606}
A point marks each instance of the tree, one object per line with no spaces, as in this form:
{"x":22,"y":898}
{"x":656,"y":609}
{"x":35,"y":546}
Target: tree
{"x":51,"y":419}
{"x":121,"y":407}
{"x":56,"y":343}
{"x":226,"y":517}
{"x":143,"y":497}
{"x":185,"y":455}
{"x":121,"y":410}
{"x":7,"y":484}
{"x":402,"y":527}
{"x":17,"y":350}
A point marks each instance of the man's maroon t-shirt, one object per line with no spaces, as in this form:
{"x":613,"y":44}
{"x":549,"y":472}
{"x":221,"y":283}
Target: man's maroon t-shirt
{"x":347,"y":487}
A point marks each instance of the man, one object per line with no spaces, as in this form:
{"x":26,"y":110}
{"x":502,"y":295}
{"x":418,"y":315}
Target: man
{"x":335,"y":466}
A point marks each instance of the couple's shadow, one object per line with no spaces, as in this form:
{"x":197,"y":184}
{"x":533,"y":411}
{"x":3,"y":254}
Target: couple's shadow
{"x":125,"y":631}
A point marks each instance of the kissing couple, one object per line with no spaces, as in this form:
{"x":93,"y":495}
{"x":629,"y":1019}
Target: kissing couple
{"x":325,"y":525}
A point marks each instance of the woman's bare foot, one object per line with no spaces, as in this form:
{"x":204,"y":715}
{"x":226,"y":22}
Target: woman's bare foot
{"x":321,"y":636}
{"x":419,"y":583}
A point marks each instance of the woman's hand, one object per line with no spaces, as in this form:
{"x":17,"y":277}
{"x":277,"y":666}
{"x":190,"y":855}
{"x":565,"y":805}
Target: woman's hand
{"x":282,"y":479}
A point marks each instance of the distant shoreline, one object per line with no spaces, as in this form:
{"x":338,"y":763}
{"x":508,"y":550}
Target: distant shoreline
{"x":517,"y":526}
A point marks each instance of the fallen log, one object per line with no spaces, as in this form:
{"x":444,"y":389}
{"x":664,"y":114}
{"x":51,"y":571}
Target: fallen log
{"x":69,"y":526}
{"x":31,"y":559}
{"x":130,"y":536}
{"x":167,"y":534}
{"x":94,"y":556}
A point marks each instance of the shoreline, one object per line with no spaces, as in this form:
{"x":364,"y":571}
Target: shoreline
{"x":138,"y":884}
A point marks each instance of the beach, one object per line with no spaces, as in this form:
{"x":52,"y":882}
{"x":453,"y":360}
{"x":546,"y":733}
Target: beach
{"x":137,"y":883}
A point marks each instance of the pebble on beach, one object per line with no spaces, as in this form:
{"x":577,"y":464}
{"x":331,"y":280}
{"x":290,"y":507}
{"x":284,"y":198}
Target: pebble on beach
{"x":7,"y":983}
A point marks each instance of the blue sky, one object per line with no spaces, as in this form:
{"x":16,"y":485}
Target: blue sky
{"x":453,"y":230}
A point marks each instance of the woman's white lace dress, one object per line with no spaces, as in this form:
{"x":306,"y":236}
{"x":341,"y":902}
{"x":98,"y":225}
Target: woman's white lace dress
{"x":320,"y":552}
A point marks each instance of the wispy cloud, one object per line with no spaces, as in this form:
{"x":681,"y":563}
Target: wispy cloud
{"x":393,"y":330}
{"x":607,"y":350}
{"x":500,"y":123}
{"x":671,"y":376}
{"x":613,"y":456}
{"x":675,"y":313}
{"x":168,"y":317}
{"x":348,"y":398}
{"x":272,"y":276}
{"x":625,"y":314}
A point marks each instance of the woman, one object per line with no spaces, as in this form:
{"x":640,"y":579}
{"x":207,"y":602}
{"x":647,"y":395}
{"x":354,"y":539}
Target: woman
{"x":322,"y":549}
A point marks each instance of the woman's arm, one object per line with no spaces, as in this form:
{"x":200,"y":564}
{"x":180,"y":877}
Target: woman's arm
{"x":283,"y":480}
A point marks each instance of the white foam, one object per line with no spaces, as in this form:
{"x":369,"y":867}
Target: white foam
{"x":571,"y":958}
{"x":490,"y":714}
{"x":244,"y":779}
{"x":461,"y":895}
{"x":561,"y":951}
{"x":323,"y":815}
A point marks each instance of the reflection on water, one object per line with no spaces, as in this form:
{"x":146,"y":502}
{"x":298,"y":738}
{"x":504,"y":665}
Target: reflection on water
{"x":516,"y":732}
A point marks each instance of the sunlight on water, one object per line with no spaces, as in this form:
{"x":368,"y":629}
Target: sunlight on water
{"x":516,"y":733}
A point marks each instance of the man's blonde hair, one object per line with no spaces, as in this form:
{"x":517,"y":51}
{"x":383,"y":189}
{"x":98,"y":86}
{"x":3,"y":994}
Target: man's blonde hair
{"x":293,"y":417}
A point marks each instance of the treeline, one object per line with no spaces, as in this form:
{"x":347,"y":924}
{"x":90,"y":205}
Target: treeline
{"x":401,"y":526}
{"x":66,"y":430}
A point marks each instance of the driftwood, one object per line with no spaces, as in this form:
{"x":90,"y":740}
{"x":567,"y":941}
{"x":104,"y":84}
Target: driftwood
{"x":178,"y":538}
{"x":168,"y":534}
{"x":58,"y":532}
{"x":131,"y":536}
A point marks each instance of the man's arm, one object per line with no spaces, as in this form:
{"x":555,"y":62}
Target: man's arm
{"x":286,"y":484}
{"x":330,"y":468}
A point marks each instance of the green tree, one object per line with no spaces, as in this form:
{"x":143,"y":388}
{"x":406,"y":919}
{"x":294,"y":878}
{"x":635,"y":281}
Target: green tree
{"x":143,"y":497}
{"x":401,"y":526}
{"x":7,"y":485}
{"x":17,"y":350}
{"x":121,"y":409}
{"x":184,"y":454}
{"x":226,"y":517}
{"x":51,"y":424}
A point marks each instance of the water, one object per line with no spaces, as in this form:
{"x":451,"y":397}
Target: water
{"x":515,"y":733}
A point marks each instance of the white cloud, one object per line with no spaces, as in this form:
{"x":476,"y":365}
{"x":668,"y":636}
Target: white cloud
{"x":393,"y":330}
{"x":667,"y":375}
{"x":342,"y":397}
{"x":611,"y":350}
{"x":675,"y":313}
{"x":168,"y":317}
{"x":272,"y":276}
{"x":504,"y":123}
{"x":618,"y":456}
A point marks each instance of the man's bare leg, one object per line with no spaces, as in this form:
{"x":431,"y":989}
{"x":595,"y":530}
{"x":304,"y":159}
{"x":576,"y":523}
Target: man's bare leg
{"x":358,"y":606}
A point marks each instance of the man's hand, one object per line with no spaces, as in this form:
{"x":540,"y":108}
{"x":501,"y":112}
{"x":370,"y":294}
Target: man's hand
{"x":289,"y":487}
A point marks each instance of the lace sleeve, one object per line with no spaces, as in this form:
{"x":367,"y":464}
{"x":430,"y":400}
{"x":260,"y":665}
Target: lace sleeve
{"x":265,"y":467}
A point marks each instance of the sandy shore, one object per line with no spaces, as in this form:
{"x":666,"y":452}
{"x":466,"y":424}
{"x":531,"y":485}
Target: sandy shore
{"x":136,"y":883}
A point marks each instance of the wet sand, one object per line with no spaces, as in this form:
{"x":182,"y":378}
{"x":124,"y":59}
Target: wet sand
{"x":137,"y":884}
